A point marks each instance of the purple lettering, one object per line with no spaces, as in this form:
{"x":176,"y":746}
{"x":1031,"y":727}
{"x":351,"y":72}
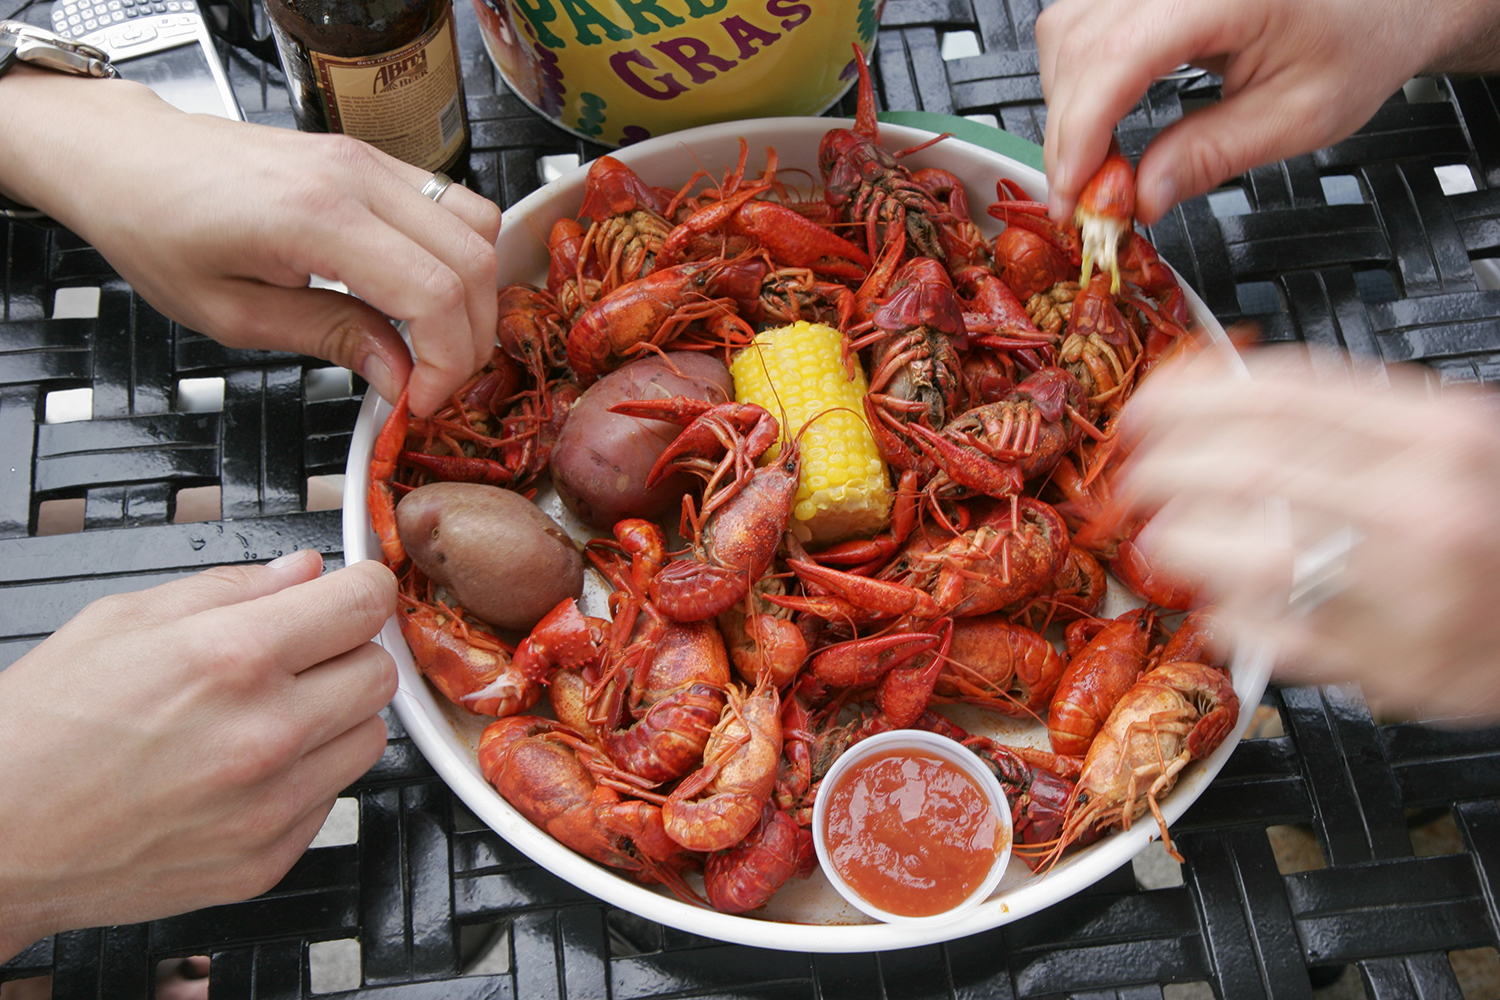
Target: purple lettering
{"x":745,"y":35}
{"x":692,"y":55}
{"x":621,"y":62}
{"x":795,"y":13}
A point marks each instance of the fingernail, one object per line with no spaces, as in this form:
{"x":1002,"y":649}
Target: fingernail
{"x":1166,"y":194}
{"x":1057,"y":183}
{"x":291,"y":558}
{"x":375,"y":371}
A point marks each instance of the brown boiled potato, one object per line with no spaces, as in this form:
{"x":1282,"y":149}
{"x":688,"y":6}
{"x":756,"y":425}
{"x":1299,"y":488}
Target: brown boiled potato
{"x":601,"y":459}
{"x":501,"y":558}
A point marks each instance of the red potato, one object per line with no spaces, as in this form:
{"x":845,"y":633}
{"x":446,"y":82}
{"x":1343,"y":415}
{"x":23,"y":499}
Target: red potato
{"x":501,"y":558}
{"x":601,"y":459}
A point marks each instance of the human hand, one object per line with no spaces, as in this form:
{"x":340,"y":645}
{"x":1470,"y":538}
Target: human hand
{"x":220,"y":226}
{"x":1298,"y":75}
{"x":1416,"y":475}
{"x":180,"y":747}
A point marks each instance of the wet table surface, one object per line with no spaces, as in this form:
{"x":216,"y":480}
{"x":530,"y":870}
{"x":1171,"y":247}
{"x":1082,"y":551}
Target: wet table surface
{"x":1333,"y":849}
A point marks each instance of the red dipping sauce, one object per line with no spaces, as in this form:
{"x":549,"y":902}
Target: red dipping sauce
{"x":911,"y":833}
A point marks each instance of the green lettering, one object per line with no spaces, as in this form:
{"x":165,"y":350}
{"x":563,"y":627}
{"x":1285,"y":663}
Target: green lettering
{"x":703,"y":8}
{"x":585,"y":16}
{"x":745,"y":35}
{"x":538,"y":13}
{"x":642,"y":11}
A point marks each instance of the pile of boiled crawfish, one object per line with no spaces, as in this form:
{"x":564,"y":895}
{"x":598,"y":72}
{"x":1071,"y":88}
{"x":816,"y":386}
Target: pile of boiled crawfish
{"x":998,"y":369}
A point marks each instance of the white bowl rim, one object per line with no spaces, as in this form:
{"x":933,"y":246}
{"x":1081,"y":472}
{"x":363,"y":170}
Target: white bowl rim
{"x":434,"y":737}
{"x":945,"y":748}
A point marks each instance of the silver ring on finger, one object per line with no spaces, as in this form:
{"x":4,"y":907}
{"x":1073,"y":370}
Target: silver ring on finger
{"x":436,"y":185}
{"x":1321,"y":571}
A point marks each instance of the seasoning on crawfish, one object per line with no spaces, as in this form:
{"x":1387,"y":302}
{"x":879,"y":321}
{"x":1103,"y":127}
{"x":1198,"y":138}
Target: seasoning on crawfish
{"x":847,"y":604}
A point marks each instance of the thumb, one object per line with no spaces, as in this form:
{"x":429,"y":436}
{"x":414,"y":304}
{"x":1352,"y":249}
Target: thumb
{"x":1208,"y":147}
{"x":326,"y":324}
{"x":213,"y":588}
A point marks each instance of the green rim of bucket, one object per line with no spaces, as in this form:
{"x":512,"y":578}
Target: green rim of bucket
{"x":987,"y":136}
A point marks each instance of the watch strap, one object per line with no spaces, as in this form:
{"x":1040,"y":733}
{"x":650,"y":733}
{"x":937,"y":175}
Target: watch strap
{"x":7,"y":53}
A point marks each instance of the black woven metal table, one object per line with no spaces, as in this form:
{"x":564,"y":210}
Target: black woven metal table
{"x":1357,"y":245}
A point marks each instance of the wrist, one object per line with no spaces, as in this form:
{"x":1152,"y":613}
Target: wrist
{"x":43,"y":165}
{"x":1466,"y":39}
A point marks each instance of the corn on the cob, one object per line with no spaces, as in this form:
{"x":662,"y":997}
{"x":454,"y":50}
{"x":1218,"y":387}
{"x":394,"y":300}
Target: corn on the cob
{"x":797,"y":372}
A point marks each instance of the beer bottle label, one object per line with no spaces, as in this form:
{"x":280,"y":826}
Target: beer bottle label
{"x":407,"y":102}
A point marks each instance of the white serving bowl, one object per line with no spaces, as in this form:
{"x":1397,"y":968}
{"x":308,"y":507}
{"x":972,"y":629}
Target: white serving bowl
{"x":808,"y":915}
{"x":931,"y":744}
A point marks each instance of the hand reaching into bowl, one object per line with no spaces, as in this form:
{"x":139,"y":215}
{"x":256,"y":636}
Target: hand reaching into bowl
{"x":220,"y":225}
{"x":1354,"y":527}
{"x":180,"y":747}
{"x":1298,"y":75}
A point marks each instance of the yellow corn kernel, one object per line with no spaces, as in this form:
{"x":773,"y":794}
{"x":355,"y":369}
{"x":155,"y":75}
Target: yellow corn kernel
{"x":797,"y":372}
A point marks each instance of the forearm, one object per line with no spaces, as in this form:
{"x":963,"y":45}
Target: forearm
{"x":1467,"y":36}
{"x":53,"y":126}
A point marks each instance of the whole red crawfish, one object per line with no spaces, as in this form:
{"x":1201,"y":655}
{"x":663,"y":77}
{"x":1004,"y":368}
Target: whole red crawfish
{"x":868,"y":187}
{"x":747,"y":875}
{"x":1032,"y":253}
{"x":993,"y":449}
{"x":783,"y":234}
{"x":676,"y":698}
{"x":902,"y":665}
{"x":475,"y":670}
{"x":1008,"y":555}
{"x":627,"y":230}
{"x":1198,"y":639}
{"x":670,"y":678}
{"x":796,"y":294}
{"x":1100,"y":348}
{"x":713,"y":808}
{"x":573,"y":278}
{"x":530,"y":329}
{"x":745,"y":511}
{"x":1097,"y":675}
{"x":1174,"y":714}
{"x":995,"y":318}
{"x":656,"y":309}
{"x":1004,"y":667}
{"x":914,"y":369}
{"x":1107,"y":530}
{"x":1077,"y":591}
{"x":763,"y":637}
{"x":534,"y":765}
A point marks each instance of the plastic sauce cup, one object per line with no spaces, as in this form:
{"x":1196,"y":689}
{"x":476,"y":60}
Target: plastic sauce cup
{"x":925,"y":744}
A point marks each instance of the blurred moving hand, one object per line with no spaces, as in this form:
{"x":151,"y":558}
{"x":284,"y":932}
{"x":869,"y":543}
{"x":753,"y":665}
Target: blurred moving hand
{"x":1298,"y":75}
{"x":220,"y":225}
{"x":1251,"y":473}
{"x":180,"y":747}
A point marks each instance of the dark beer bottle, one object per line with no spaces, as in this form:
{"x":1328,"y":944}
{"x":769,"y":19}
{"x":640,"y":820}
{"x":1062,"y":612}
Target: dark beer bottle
{"x":385,"y":71}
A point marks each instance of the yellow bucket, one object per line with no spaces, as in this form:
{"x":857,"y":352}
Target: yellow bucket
{"x":619,"y":71}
